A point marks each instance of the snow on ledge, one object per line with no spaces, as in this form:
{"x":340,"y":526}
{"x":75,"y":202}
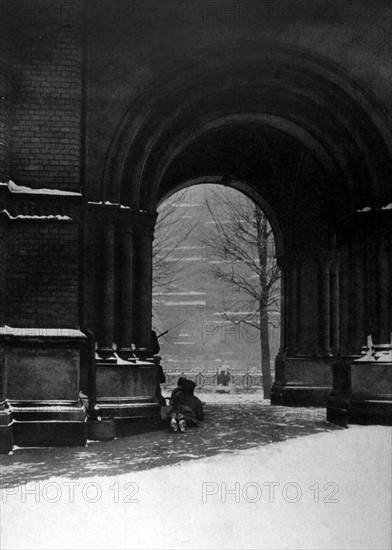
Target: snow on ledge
{"x":108,"y":203}
{"x":27,"y":217}
{"x":6,"y":330}
{"x":14,"y":188}
{"x":369,"y":208}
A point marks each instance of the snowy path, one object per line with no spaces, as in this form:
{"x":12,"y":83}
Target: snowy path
{"x":230,"y":425}
{"x":182,"y":505}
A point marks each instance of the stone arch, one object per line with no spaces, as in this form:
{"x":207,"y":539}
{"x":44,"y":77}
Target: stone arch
{"x":247,"y":190}
{"x":268,"y":93}
{"x":279,"y":86}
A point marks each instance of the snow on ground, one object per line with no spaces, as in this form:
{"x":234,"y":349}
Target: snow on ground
{"x":232,"y":398}
{"x":326,"y":490}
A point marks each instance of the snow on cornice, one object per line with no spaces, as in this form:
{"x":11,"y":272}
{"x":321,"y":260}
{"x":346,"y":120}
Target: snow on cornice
{"x":108,"y":203}
{"x":27,"y":217}
{"x":369,"y":208}
{"x":14,"y":188}
{"x":41,"y":332}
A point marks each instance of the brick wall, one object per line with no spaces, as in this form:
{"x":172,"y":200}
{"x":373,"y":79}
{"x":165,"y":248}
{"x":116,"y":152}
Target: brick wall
{"x":3,"y":260}
{"x":43,"y":275}
{"x":4,"y":105}
{"x":45,"y":44}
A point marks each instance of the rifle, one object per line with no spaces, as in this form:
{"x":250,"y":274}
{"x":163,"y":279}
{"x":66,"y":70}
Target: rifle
{"x":169,"y":329}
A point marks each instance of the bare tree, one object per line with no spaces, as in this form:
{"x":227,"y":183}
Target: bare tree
{"x":243,"y":242}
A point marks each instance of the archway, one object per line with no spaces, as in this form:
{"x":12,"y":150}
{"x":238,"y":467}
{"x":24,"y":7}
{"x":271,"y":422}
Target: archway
{"x":216,"y":283}
{"x":305,"y":138}
{"x":282,"y":87}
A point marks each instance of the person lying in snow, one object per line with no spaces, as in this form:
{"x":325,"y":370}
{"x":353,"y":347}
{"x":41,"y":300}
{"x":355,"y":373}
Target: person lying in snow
{"x":186,"y":409}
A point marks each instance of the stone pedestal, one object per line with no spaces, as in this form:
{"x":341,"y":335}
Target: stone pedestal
{"x":362,"y":392}
{"x":302,"y":381}
{"x":126,"y":397}
{"x":41,"y":389}
{"x":6,"y":435}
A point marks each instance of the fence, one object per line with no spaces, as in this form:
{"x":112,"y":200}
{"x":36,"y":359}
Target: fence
{"x":210,"y":380}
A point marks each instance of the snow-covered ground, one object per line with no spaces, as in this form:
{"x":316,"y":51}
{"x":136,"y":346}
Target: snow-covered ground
{"x":329,"y":490}
{"x":237,"y":398}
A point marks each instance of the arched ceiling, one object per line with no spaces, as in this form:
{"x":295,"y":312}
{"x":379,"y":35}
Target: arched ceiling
{"x":263,"y":112}
{"x":270,"y":166}
{"x":271,"y":162}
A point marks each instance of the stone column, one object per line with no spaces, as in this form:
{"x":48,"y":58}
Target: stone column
{"x":126,"y":335}
{"x":358,"y":298}
{"x":344,"y":298}
{"x":292,"y":313}
{"x":283,"y":304}
{"x":334,"y":305}
{"x":107,"y":320}
{"x":371,"y":256}
{"x":143,"y":290}
{"x":324,"y":309}
{"x":384,"y":287}
{"x":309,"y":331}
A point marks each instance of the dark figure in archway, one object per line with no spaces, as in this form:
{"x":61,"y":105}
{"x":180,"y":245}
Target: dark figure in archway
{"x":155,"y":347}
{"x":187,"y":409}
{"x":160,"y":379}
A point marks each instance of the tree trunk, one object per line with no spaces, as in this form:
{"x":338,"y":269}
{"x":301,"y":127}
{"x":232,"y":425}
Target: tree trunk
{"x":265,"y":351}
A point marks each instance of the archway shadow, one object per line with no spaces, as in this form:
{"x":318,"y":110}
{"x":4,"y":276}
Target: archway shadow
{"x":227,"y":428}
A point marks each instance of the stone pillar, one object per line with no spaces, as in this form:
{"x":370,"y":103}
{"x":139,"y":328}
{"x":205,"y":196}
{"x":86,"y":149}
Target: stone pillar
{"x":283,"y":305}
{"x":107,"y":320}
{"x":324,"y":307}
{"x":366,"y":296}
{"x":358,"y":337}
{"x":126,"y":335}
{"x":309,"y":305}
{"x":279,"y":360}
{"x":125,"y":390}
{"x":384,"y":287}
{"x":334,"y":305}
{"x":144,"y":310}
{"x":303,"y":371}
{"x":143,"y":279}
{"x":371,"y":257}
{"x":344,"y":301}
{"x":292,"y":311}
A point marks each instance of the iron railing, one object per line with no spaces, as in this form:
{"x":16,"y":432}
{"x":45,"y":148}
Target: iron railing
{"x":211,"y":379}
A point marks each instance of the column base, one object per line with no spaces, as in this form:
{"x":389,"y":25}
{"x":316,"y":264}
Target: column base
{"x":128,"y":426}
{"x":296,"y":395}
{"x":362,"y":393}
{"x":103,"y":430}
{"x":343,"y":410}
{"x":370,"y":411}
{"x":6,"y":434}
{"x":106,"y":354}
{"x":127,"y":354}
{"x":302,"y":381}
{"x":6,"y":439}
{"x":50,"y":434}
{"x":129,"y":417}
{"x":109,"y":429}
{"x":40,"y":424}
{"x":126,"y":399}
